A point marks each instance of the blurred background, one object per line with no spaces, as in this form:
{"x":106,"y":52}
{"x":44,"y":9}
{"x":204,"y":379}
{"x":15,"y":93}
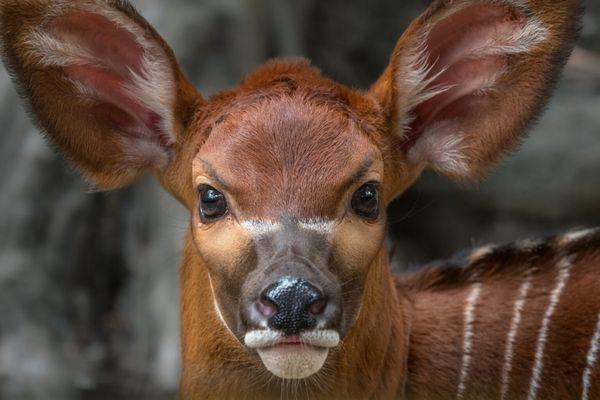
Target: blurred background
{"x":88,"y":282}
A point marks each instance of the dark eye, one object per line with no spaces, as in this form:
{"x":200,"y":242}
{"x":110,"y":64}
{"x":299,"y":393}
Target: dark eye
{"x":365,"y":201}
{"x":212,"y":204}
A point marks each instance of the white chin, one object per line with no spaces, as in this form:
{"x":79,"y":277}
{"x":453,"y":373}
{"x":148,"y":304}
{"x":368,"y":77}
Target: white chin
{"x":293,"y":362}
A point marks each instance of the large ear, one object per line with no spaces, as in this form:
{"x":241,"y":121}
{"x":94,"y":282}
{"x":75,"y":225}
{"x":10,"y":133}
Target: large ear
{"x":468,"y":77}
{"x":100,"y":82}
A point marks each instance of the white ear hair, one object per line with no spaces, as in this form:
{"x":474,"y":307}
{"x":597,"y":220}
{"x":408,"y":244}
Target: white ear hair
{"x":442,"y":149}
{"x":417,"y":74}
{"x":153,"y":86}
{"x":455,"y":57}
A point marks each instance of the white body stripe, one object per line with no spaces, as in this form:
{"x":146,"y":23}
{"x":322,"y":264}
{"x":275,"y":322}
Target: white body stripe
{"x":592,"y":358}
{"x":561,"y":281}
{"x":512,"y":334}
{"x":469,"y":318}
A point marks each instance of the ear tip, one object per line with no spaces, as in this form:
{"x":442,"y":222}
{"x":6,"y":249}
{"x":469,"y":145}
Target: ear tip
{"x":570,"y":16}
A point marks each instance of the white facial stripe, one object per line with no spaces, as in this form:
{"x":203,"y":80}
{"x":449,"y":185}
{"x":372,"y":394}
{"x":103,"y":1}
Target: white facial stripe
{"x":561,"y":281}
{"x":592,"y":357}
{"x":469,"y":318}
{"x":512,"y":334}
{"x":216,"y":306}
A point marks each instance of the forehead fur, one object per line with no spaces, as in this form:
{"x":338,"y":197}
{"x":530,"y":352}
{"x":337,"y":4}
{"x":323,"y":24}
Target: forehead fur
{"x":297,"y":77}
{"x":291,"y":134}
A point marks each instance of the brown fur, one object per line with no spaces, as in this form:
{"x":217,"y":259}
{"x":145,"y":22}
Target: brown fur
{"x":437,"y":329}
{"x":286,"y":145}
{"x":47,"y":95}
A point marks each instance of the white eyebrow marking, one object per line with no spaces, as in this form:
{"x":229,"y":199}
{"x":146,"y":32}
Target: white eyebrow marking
{"x":592,"y":357}
{"x":512,"y":334}
{"x":469,"y":318}
{"x":561,"y":280}
{"x":257,"y":227}
{"x":319,"y":225}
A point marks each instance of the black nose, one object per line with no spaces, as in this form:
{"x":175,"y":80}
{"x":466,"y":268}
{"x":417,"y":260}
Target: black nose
{"x":292,"y":305}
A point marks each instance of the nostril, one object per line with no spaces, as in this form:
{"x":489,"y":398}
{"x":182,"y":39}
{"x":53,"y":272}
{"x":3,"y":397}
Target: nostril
{"x":317,"y":307}
{"x":266,"y":307}
{"x":291,"y":305}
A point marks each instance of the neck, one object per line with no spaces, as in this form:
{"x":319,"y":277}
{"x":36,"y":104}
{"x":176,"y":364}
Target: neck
{"x":370,"y":363}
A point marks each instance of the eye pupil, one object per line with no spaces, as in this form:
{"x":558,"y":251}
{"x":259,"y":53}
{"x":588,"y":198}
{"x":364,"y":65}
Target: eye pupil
{"x":211,"y":196}
{"x":212,"y":204}
{"x":365,"y":201}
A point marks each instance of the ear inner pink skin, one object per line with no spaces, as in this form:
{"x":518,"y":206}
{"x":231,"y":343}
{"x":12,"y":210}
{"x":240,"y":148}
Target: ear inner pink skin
{"x":111,"y":44}
{"x":119,"y":56}
{"x":477,"y":75}
{"x":467,"y":52}
{"x":467,"y":30}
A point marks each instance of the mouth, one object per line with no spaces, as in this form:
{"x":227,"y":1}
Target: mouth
{"x":292,"y":357}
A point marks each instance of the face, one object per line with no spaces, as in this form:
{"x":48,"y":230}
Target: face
{"x":289,"y":218}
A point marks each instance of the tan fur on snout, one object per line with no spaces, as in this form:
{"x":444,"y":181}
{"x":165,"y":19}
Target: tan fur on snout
{"x":227,"y":248}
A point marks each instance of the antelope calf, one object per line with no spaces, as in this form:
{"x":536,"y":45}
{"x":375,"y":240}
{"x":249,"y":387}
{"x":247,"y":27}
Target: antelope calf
{"x":286,"y":287}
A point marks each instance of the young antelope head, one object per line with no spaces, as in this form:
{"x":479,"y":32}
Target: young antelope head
{"x":291,"y":211}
